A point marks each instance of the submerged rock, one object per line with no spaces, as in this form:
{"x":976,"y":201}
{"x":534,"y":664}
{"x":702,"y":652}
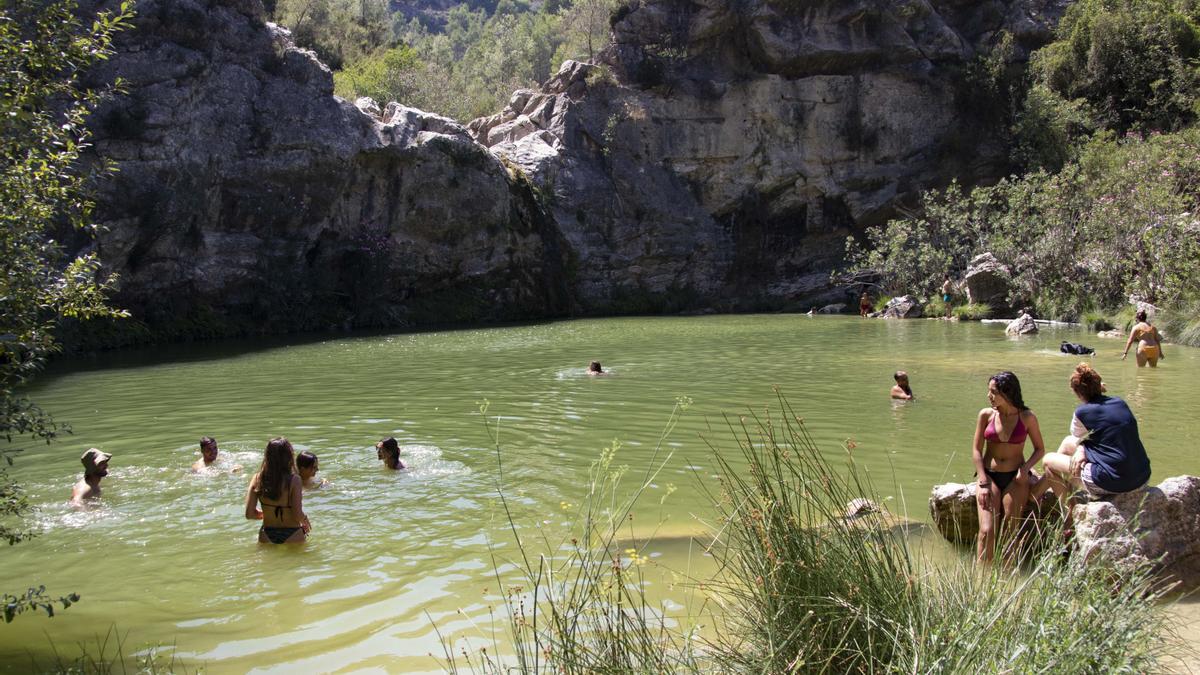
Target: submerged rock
{"x":1022,"y":325}
{"x":1159,"y":526}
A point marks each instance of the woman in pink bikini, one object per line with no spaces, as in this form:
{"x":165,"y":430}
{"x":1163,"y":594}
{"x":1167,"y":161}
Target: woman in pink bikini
{"x":999,"y":456}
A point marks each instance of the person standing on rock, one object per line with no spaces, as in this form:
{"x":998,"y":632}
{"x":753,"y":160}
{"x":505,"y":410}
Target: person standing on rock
{"x":1000,"y":465}
{"x":864,"y":305}
{"x":947,"y":287}
{"x":1104,"y":454}
{"x":1149,"y":349}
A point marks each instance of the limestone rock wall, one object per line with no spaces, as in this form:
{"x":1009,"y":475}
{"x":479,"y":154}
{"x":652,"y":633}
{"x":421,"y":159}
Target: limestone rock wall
{"x":717,"y":158}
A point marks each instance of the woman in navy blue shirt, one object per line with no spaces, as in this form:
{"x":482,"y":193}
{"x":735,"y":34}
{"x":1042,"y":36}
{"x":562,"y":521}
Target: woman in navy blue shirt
{"x":1104,"y":454}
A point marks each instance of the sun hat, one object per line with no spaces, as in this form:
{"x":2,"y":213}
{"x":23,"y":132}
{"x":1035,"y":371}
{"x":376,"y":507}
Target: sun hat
{"x":92,"y":458}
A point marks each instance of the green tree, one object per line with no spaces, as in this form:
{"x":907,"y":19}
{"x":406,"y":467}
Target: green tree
{"x":44,"y":48}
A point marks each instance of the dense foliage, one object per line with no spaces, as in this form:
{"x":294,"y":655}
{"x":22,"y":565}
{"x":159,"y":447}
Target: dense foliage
{"x":1106,"y":209}
{"x":43,"y":194}
{"x":466,"y":67}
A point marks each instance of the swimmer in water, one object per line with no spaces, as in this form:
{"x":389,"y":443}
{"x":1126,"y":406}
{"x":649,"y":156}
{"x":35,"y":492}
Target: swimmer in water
{"x":901,"y":390}
{"x":277,"y":488}
{"x":306,"y":466}
{"x":595,"y":369}
{"x":208,"y":457}
{"x":95,"y":467}
{"x":388,"y":450}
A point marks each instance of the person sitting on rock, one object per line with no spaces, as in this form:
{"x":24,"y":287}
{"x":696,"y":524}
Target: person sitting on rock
{"x":388,"y":450}
{"x":95,"y":467}
{"x":1000,"y":465}
{"x":1104,"y":454}
{"x":901,"y":390}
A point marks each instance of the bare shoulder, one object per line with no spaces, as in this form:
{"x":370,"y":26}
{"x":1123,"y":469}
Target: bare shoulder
{"x":985,"y":414}
{"x":1028,"y":417}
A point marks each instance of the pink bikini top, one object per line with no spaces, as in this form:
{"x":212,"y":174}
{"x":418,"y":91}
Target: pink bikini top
{"x":1017,"y":436}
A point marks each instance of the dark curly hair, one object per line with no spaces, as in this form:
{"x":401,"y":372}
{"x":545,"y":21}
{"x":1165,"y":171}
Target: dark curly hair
{"x":1010,"y":387}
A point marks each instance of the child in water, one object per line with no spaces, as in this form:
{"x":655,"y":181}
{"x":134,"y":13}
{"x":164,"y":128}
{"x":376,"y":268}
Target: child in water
{"x":901,"y":390}
{"x":306,"y":467}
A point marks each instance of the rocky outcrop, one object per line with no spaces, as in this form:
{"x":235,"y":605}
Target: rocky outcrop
{"x":903,"y":307}
{"x":1022,"y":325}
{"x":717,"y":158}
{"x":1158,"y":527}
{"x":955,"y":515}
{"x":987,"y":281}
{"x":250,"y":199}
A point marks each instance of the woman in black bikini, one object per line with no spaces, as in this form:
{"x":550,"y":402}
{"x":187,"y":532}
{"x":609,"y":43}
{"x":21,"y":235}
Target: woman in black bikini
{"x":277,"y":487}
{"x":999,"y":456}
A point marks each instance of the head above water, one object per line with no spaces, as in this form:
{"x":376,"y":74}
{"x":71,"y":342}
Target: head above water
{"x":278,"y":466}
{"x":306,"y":464}
{"x":594,"y":367}
{"x":208,"y":448}
{"x":389,"y":452}
{"x":95,"y":462}
{"x":1086,"y":382}
{"x":1005,"y":385}
{"x":900,"y":376}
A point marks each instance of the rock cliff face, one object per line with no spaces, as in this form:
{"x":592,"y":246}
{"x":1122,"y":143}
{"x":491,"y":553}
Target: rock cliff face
{"x":718,"y":158}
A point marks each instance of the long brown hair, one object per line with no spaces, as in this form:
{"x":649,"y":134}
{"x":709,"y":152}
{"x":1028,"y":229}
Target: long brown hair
{"x":278,"y":466}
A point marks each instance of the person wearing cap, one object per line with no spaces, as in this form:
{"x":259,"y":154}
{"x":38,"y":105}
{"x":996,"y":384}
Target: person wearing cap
{"x":95,"y":467}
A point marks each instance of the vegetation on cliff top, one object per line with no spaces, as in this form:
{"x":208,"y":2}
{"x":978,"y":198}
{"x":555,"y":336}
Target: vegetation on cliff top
{"x":463,"y":68}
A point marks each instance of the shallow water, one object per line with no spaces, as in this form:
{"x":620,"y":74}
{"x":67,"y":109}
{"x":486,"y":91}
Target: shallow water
{"x":169,"y":557}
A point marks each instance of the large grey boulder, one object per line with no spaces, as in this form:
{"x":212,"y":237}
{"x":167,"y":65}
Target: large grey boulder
{"x":903,"y":307}
{"x":1022,"y":325}
{"x":1158,"y":526}
{"x":988,"y":281}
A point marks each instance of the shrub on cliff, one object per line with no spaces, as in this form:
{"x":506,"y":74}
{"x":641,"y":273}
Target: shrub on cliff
{"x":43,"y":50}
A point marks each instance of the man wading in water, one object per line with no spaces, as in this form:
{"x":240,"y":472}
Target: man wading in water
{"x":95,"y":467}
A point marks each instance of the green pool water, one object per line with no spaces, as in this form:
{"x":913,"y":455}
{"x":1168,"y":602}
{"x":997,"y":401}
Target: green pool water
{"x":169,"y":558}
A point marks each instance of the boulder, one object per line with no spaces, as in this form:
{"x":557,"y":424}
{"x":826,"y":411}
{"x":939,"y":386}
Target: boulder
{"x":1158,"y":526}
{"x":903,"y":307}
{"x":952,"y":508}
{"x":1022,"y":325}
{"x":987,"y":281}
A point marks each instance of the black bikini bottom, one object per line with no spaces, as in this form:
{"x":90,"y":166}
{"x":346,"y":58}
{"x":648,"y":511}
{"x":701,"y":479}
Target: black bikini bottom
{"x":279,"y":535}
{"x":1002,"y":478}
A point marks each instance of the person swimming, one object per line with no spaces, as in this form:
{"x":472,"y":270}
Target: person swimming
{"x":95,"y":468}
{"x":278,"y":489}
{"x":594,"y":368}
{"x":901,"y":390}
{"x":388,"y":450}
{"x":998,"y":452}
{"x":306,"y":467}
{"x":1149,"y":349}
{"x":208,"y":457}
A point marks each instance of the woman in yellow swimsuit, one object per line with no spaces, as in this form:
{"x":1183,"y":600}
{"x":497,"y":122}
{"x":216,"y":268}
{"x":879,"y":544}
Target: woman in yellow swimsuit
{"x":1149,"y":349}
{"x":277,"y":487}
